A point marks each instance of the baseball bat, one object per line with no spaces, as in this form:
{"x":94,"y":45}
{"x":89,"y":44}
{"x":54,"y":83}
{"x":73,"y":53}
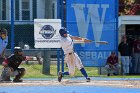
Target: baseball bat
{"x":89,"y":41}
{"x":101,"y":42}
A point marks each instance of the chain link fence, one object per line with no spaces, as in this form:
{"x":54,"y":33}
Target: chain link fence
{"x":41,"y":62}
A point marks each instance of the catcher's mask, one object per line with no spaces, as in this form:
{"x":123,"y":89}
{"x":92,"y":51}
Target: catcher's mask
{"x":18,"y":51}
{"x":63,"y":31}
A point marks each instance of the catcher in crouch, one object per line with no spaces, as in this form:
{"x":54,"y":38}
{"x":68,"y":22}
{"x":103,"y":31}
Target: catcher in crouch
{"x":11,"y":66}
{"x":71,"y":58}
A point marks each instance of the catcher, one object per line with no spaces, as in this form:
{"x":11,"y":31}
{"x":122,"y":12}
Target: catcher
{"x":71,"y":57}
{"x":11,"y":66}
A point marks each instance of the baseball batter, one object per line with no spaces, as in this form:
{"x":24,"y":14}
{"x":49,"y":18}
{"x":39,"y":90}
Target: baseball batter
{"x":71,"y":58}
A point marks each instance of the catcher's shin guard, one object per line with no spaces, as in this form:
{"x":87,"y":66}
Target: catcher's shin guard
{"x":20,"y":75}
{"x":5,"y":76}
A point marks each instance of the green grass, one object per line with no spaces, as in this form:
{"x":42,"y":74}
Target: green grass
{"x":35,"y":71}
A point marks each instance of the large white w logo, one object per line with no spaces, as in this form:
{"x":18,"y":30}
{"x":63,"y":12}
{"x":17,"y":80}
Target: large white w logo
{"x":93,"y":15}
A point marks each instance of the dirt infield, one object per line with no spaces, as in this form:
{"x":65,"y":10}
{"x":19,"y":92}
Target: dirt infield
{"x":67,"y":82}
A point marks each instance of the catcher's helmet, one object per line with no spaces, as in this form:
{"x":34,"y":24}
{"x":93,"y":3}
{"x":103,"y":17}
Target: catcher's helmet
{"x":3,"y":31}
{"x":17,"y":49}
{"x":63,"y":31}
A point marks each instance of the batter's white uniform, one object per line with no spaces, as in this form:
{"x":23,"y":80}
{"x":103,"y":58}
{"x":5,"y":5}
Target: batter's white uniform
{"x":71,"y":58}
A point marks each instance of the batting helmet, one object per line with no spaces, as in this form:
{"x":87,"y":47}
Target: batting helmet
{"x":17,"y":49}
{"x":63,"y":31}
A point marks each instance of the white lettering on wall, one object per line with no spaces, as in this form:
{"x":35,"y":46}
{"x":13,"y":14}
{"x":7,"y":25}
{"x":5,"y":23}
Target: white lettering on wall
{"x":93,"y":16}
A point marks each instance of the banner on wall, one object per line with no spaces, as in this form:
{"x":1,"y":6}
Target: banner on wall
{"x":95,"y":20}
{"x":46,"y":33}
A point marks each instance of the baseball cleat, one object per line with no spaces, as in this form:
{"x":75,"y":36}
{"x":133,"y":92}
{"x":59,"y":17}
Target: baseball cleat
{"x":6,"y":81}
{"x":59,"y":76}
{"x":108,"y":74}
{"x":88,"y":79}
{"x":17,"y":80}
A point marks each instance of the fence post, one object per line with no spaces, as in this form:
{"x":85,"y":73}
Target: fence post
{"x":58,"y":9}
{"x":62,"y":54}
{"x":12,"y":26}
{"x":117,"y":11}
{"x":62,"y":12}
{"x":46,"y":63}
{"x":58,"y":60}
